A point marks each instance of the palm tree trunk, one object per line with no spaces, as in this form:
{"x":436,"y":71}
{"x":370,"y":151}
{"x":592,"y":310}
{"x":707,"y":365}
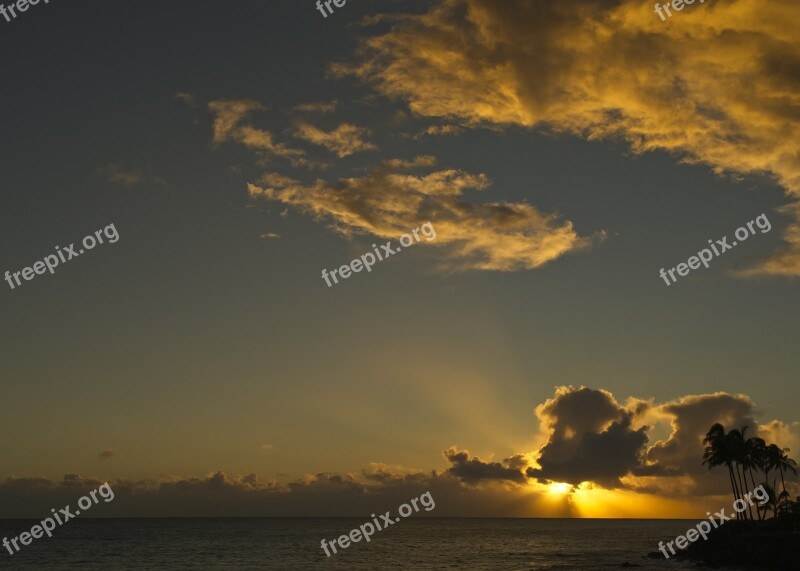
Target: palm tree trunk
{"x":743,"y":489}
{"x":737,"y":480}
{"x":747,"y":489}
{"x":733,"y":482}
{"x":735,"y":486}
{"x":782,"y":480}
{"x":774,"y":505}
{"x":753,"y":480}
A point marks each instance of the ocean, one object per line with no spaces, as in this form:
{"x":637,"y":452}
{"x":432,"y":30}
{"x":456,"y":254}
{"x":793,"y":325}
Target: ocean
{"x":293,"y":544}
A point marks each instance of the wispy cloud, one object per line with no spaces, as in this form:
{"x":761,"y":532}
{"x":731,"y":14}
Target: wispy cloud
{"x":317,"y":107}
{"x":344,"y":140}
{"x":229,"y":115}
{"x":134,"y":176}
{"x":187,"y":98}
{"x":388,"y":201}
{"x":442,"y":130}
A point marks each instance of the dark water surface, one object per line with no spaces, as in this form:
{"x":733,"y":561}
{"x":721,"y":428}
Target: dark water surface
{"x":294,"y":544}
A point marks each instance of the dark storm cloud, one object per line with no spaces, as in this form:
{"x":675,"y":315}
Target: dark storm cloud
{"x":473,"y":470}
{"x":591,"y":438}
{"x":691,"y":417}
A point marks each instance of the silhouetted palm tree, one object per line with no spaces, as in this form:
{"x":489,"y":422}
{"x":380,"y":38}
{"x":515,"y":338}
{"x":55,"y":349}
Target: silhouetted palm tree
{"x":734,"y":442}
{"x":717,"y":453}
{"x":772,"y":500}
{"x":778,"y":458}
{"x":756,"y":454}
{"x":750,"y":455}
{"x":768,"y":465}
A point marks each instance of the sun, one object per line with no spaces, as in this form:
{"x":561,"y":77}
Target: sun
{"x":558,"y":488}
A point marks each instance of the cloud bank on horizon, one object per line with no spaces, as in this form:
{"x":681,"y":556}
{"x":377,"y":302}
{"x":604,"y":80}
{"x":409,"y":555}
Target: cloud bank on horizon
{"x":589,"y":441}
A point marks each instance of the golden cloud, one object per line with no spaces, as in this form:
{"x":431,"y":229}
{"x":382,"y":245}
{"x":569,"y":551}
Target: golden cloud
{"x":229,"y":115}
{"x":717,"y":84}
{"x":345,"y":140}
{"x":388,"y":202}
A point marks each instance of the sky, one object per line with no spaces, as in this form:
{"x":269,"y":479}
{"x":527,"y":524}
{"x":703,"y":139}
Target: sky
{"x":527,"y":361}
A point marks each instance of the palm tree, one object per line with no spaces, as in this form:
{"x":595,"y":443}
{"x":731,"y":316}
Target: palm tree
{"x":717,"y":453}
{"x":734,"y":443}
{"x":772,"y":500}
{"x":755,"y":457}
{"x":735,"y":451}
{"x":769,"y":463}
{"x":778,"y":458}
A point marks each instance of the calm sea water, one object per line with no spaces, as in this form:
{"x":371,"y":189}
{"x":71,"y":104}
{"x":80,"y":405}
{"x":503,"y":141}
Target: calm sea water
{"x":293,"y":544}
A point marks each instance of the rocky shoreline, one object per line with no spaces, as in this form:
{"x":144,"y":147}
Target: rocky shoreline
{"x":769,"y":544}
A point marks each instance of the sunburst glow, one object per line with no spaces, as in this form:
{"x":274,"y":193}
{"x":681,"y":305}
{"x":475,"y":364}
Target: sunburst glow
{"x":559,"y":488}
